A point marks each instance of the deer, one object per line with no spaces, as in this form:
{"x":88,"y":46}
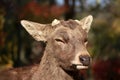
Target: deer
{"x":65,"y":53}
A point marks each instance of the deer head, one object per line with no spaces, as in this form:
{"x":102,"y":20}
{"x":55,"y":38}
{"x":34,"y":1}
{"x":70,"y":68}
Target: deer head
{"x":67,"y":40}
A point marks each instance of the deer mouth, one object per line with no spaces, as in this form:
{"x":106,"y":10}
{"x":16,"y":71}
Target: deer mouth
{"x":80,"y":66}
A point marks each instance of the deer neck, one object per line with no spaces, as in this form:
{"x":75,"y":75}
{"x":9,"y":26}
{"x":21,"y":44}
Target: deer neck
{"x":49,"y":69}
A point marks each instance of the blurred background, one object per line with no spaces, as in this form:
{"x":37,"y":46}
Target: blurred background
{"x":18,"y":48}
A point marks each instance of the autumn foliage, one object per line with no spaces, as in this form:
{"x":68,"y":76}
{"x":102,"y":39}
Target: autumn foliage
{"x":42,"y":10}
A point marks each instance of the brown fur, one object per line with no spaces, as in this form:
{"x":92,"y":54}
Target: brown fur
{"x":65,"y":41}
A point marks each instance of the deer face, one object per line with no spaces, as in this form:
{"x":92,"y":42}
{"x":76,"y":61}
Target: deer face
{"x":67,"y":40}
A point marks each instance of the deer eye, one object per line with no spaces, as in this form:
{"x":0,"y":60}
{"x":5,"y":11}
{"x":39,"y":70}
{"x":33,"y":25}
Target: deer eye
{"x":59,"y":40}
{"x":85,"y":41}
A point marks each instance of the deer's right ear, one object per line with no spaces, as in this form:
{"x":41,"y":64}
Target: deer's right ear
{"x":36,"y":30}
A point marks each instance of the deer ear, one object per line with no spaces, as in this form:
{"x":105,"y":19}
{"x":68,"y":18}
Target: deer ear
{"x":35,"y":29}
{"x":86,"y":23}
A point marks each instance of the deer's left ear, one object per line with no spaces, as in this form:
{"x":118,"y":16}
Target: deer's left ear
{"x":86,"y":22}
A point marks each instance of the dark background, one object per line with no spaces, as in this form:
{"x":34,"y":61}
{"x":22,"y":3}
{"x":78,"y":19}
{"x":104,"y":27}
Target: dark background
{"x":18,"y":48}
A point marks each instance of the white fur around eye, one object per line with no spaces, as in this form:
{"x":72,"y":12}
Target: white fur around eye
{"x":86,"y":43}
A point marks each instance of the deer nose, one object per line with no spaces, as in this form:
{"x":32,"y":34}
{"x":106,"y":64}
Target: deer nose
{"x":85,"y":60}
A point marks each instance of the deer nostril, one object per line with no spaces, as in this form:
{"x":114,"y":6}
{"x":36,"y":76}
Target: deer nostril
{"x":85,"y":60}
